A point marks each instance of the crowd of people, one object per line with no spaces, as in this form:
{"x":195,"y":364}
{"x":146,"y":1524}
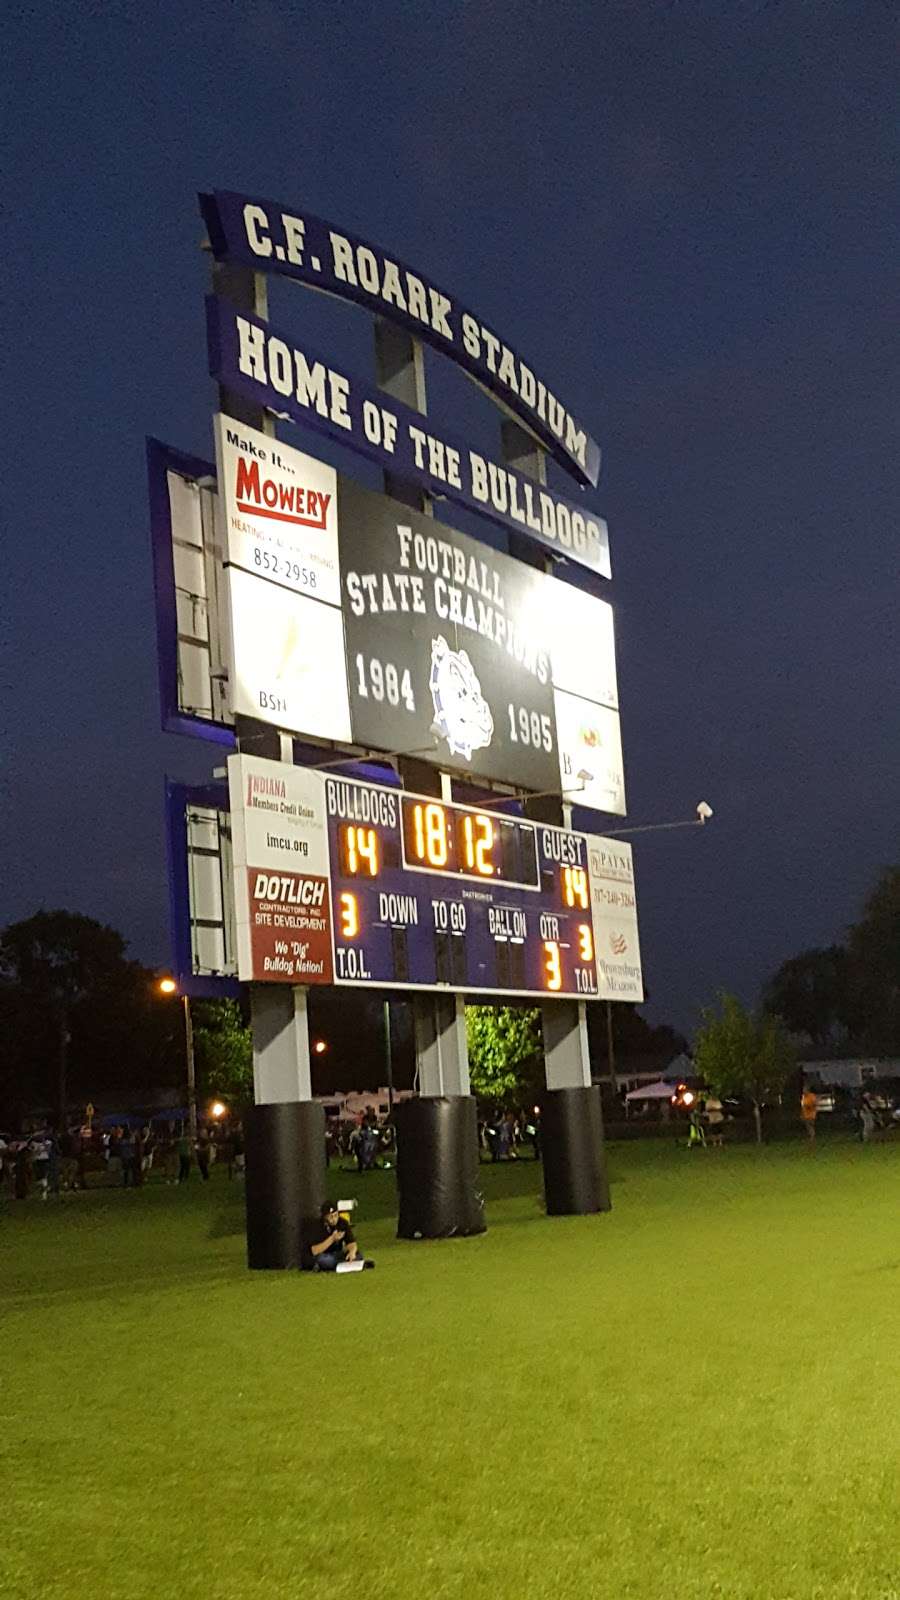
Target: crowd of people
{"x":366,"y":1142}
{"x":872,"y":1114}
{"x":503,"y":1135}
{"x":45,"y":1162}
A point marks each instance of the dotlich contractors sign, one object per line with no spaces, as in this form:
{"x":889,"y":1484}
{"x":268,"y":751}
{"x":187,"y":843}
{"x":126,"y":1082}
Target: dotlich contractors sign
{"x":280,"y":854}
{"x":273,"y":237}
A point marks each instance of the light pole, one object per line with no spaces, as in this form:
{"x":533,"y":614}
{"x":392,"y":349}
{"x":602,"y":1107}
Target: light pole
{"x":704,"y":812}
{"x":169,"y":986}
{"x":388,"y":1059}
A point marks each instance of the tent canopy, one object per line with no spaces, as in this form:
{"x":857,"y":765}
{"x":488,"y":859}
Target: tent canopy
{"x":652,"y":1091}
{"x":680,"y":1069}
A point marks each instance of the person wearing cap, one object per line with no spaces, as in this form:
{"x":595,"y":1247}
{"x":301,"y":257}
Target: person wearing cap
{"x":336,"y":1243}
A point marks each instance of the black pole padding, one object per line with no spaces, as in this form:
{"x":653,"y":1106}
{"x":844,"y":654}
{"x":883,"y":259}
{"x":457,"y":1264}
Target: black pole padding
{"x":437,"y":1168}
{"x":575,"y":1179}
{"x":285,"y":1182}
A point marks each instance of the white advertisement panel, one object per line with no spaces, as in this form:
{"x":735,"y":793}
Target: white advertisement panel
{"x":583,"y":644}
{"x":614,"y":907}
{"x":591,"y":767}
{"x":287,"y":658}
{"x":280,"y":853}
{"x":280,"y":511}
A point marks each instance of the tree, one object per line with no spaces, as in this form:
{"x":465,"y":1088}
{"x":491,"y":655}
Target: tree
{"x":505,"y":1049}
{"x":739,"y":1054}
{"x":637,"y":1044}
{"x":78,"y":1018}
{"x":874,"y":946}
{"x":224,"y":1047}
{"x":812,"y":993}
{"x":58,"y":962}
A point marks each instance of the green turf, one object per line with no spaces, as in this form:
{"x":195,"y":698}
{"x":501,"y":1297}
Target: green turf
{"x":694,"y":1396}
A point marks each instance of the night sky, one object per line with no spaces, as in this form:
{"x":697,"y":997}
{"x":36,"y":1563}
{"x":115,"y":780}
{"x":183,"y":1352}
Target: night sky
{"x":681,"y":215}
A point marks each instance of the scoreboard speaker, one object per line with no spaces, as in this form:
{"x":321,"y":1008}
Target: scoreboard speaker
{"x":575,"y":1180}
{"x":285,"y":1182}
{"x":437,"y":1168}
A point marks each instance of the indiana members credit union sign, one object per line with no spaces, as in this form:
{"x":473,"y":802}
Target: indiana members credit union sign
{"x":273,"y":237}
{"x":280,"y":855}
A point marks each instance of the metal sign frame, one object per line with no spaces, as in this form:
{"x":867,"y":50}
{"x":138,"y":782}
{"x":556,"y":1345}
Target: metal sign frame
{"x":176,"y":718}
{"x":180,"y":799}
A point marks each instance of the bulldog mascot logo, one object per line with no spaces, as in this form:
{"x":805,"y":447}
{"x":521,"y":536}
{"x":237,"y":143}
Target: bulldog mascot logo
{"x":462,"y":716}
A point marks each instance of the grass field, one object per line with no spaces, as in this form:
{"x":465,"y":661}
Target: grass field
{"x":694,"y":1396}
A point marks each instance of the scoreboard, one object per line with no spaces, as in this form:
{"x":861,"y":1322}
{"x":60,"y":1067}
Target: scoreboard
{"x":341,"y":881}
{"x":428,"y":894}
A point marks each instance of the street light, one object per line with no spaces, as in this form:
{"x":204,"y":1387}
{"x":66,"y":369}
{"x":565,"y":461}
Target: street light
{"x":169,"y":986}
{"x":704,"y":812}
{"x":320,"y":1047}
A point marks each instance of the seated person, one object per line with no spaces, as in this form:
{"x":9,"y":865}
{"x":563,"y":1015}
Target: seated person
{"x":335,"y":1243}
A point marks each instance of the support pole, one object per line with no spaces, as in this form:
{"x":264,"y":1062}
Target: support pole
{"x":441,"y":1053}
{"x":571,"y":1120}
{"x":285,"y":1129}
{"x":281,"y":1060}
{"x":575,"y":1180}
{"x":440,"y":1133}
{"x":566,"y":1052}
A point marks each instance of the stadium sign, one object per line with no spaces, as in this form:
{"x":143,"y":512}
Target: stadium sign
{"x":296,"y":383}
{"x":272,"y":237}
